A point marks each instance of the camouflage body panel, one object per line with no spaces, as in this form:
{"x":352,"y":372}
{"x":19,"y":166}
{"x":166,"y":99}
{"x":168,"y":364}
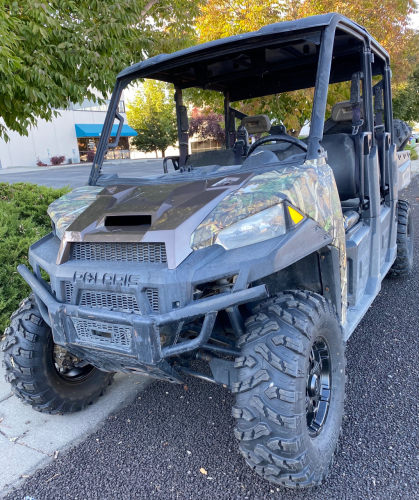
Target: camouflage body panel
{"x":311,"y":188}
{"x":67,"y":208}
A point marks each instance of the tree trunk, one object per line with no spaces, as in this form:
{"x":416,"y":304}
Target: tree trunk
{"x":163,"y":153}
{"x":157,"y":154}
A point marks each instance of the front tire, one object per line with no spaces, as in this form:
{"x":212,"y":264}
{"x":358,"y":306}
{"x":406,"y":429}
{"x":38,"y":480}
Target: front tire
{"x":290,"y":389}
{"x":30,"y":358}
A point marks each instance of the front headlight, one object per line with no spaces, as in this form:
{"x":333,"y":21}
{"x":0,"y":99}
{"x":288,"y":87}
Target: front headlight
{"x":262,"y":226}
{"x":232,"y":229}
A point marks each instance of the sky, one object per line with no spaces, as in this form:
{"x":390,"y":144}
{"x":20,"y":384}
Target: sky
{"x":415,"y":20}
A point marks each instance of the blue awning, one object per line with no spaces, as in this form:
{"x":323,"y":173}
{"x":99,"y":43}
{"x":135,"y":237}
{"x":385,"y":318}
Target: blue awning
{"x":95,"y":130}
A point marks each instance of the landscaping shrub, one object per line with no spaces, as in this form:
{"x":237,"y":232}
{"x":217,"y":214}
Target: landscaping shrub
{"x":41,"y":163}
{"x":90,"y":156}
{"x":57,"y":160}
{"x":413,"y":152}
{"x":23,"y":220}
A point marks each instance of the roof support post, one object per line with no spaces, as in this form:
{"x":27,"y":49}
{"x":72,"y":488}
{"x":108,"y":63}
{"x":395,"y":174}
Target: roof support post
{"x":314,"y":150}
{"x":388,"y":106}
{"x":182,"y":127}
{"x":227,"y":118}
{"x":103,"y":145}
{"x":367,"y":89}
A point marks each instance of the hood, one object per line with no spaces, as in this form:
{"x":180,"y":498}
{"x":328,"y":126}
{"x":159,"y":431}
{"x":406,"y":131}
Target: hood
{"x":167,"y":213}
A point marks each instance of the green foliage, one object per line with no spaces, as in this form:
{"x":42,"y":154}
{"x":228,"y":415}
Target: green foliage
{"x":55,"y":52}
{"x":413,"y":151}
{"x":23,"y":220}
{"x":152,"y":114}
{"x":293,"y":109}
{"x":406,"y":99}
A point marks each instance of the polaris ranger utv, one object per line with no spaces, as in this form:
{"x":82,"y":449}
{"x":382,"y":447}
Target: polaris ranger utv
{"x":259,"y":259}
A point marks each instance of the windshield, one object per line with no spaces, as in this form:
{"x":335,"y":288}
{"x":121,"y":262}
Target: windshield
{"x":214,"y":108}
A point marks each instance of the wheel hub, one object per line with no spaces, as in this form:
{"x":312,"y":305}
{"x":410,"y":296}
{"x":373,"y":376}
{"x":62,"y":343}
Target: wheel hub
{"x":318,"y":387}
{"x":68,"y":366}
{"x":313,"y":386}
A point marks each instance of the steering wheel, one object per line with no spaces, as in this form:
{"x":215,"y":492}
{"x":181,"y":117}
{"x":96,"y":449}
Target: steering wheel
{"x":277,"y":138}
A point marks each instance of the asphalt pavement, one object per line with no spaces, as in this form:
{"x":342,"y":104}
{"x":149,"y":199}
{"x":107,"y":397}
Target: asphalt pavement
{"x":77,"y":175}
{"x":176,"y":442}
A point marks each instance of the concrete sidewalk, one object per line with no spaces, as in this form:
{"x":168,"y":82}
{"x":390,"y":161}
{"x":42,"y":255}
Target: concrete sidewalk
{"x":29,"y":439}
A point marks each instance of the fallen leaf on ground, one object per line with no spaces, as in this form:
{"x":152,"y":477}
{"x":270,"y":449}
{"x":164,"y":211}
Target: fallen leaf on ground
{"x":203,"y":471}
{"x":48,"y":480}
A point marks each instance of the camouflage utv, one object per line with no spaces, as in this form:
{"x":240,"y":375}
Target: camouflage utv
{"x":259,"y":259}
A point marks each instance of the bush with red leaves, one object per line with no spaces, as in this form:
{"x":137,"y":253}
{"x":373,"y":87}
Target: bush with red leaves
{"x":90,"y":156}
{"x":41,"y":163}
{"x":206,"y":125}
{"x":57,"y":160}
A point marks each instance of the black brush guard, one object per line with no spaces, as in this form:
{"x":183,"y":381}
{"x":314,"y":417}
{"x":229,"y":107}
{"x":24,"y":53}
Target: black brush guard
{"x":143,"y":352}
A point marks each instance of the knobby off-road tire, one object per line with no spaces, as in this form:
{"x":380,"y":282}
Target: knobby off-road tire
{"x":273,"y":401}
{"x":403,"y":264}
{"x":28,"y":357}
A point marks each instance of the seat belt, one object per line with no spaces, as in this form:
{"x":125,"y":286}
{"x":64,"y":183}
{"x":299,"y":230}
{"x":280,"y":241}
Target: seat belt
{"x":241,"y":145}
{"x":355,"y":101}
{"x":357,"y":122}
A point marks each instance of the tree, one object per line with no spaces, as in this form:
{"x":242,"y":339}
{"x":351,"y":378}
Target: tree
{"x":387,"y":21}
{"x":205,"y":124}
{"x":152,"y":114}
{"x":406,"y":99}
{"x":221,"y":18}
{"x":57,"y":52}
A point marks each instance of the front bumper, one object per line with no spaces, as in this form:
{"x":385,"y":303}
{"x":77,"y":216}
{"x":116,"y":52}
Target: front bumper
{"x":117,"y":341}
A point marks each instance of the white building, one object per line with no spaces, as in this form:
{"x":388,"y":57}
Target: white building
{"x":72,"y":134}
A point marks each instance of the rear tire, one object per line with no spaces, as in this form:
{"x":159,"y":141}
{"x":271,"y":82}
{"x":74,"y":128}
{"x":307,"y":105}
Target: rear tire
{"x":31,"y":370}
{"x":283,"y":437}
{"x":403,"y":264}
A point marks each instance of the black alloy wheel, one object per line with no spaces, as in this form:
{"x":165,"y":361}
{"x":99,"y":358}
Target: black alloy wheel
{"x":318,"y":387}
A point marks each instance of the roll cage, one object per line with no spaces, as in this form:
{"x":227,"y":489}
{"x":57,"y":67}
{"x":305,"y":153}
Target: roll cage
{"x":282,"y":57}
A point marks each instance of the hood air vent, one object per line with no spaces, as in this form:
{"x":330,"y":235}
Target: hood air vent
{"x":139,"y":221}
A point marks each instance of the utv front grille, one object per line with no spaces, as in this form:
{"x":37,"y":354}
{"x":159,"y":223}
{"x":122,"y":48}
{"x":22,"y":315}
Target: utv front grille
{"x":68,"y":292}
{"x":123,"y":302}
{"x":116,"y":301}
{"x":119,"y":252}
{"x":153,"y":298}
{"x":102,"y":333}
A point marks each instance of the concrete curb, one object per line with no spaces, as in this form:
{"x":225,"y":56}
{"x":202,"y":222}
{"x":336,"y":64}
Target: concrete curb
{"x":30,"y":440}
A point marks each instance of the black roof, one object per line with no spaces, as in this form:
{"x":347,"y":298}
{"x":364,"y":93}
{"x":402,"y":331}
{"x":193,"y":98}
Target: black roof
{"x":277,"y":58}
